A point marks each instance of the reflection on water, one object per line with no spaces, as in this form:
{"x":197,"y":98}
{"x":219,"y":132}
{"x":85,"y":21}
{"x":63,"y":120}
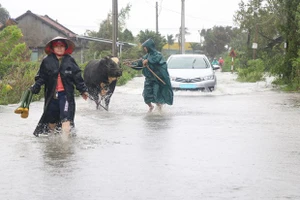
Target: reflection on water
{"x":241,"y":144}
{"x":296,"y":102}
{"x":157,"y":120}
{"x":58,"y":152}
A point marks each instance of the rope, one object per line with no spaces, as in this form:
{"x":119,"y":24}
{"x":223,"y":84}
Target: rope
{"x":98,"y":103}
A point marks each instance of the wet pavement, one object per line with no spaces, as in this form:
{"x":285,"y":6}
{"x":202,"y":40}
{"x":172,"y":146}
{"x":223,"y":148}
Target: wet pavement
{"x":239,"y":142}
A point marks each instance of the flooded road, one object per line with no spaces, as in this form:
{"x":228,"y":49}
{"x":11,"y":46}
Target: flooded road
{"x":241,"y":141}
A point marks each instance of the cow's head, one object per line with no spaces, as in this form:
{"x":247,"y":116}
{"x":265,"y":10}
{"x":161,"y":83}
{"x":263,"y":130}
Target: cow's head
{"x":113,"y":68}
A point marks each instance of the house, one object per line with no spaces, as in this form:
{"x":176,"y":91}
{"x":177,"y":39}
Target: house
{"x":9,"y":22}
{"x":175,"y":48}
{"x":38,"y":30}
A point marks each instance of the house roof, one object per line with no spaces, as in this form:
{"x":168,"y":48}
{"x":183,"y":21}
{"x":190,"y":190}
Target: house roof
{"x":10,"y":21}
{"x":47,"y":20}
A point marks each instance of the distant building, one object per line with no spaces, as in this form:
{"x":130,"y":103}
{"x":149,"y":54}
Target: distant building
{"x":38,"y":30}
{"x":9,"y":22}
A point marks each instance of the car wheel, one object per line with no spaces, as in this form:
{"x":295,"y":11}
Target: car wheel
{"x":211,"y":89}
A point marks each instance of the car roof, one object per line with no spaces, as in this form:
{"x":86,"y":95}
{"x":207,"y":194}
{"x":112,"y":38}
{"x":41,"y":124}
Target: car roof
{"x":187,"y":55}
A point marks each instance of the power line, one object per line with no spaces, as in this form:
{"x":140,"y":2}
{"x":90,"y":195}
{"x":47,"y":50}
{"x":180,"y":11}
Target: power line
{"x":191,"y":16}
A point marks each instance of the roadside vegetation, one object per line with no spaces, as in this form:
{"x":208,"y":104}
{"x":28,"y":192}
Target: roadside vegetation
{"x":272,"y":26}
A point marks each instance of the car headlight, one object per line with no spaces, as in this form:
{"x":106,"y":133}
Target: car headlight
{"x":211,"y":77}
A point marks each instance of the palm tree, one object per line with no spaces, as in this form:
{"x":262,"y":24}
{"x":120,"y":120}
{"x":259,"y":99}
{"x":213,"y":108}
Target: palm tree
{"x":178,"y":36}
{"x":194,"y":46}
{"x":170,"y":41}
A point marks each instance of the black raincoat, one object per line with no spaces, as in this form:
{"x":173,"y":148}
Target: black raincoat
{"x":47,"y":75}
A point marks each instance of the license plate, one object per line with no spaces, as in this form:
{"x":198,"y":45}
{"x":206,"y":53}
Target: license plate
{"x":188,"y":86}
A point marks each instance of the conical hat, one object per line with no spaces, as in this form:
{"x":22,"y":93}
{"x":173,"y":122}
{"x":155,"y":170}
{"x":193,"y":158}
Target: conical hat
{"x":69,"y":49}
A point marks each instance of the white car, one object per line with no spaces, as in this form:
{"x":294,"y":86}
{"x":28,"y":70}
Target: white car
{"x":192,"y":72}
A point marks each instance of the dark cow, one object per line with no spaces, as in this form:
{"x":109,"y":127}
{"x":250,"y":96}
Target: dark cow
{"x":100,"y":76}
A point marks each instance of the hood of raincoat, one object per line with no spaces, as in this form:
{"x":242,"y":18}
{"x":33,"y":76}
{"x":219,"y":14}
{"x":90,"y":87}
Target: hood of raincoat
{"x":150,"y":45}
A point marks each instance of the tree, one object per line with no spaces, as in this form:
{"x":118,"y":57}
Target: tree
{"x":126,"y":36}
{"x":259,"y":20}
{"x":12,"y":49}
{"x":217,"y":39}
{"x":105,"y":31}
{"x":194,"y":46}
{"x":170,"y":41}
{"x":4,"y":15}
{"x":271,"y":23}
{"x":291,"y":33}
{"x":178,"y":36}
{"x":159,"y":40}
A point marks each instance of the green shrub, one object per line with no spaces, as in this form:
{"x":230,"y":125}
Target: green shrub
{"x":20,"y":77}
{"x":253,"y":72}
{"x":296,"y":73}
{"x":228,"y":63}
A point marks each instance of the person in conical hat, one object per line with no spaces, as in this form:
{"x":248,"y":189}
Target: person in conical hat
{"x":60,"y":74}
{"x":70,"y":46}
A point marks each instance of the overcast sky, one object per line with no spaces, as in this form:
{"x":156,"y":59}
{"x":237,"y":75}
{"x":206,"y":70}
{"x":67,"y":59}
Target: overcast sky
{"x":79,"y":16}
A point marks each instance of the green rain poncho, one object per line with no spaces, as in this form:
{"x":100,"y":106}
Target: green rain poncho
{"x":156,"y":90}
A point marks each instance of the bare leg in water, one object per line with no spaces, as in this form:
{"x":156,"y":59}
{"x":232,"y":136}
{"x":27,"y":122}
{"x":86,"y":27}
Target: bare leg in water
{"x":159,"y":107}
{"x":151,"y":107}
{"x":51,"y":127}
{"x":66,"y":128}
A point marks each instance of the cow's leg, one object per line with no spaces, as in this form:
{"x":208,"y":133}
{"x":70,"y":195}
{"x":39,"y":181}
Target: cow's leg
{"x":93,"y":95}
{"x":97,"y":99}
{"x":106,"y":100}
{"x":110,"y":92}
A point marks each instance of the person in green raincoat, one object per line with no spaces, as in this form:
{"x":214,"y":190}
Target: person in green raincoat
{"x":215,"y":62}
{"x":157,"y":85}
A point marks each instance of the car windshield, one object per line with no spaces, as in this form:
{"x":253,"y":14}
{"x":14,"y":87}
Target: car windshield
{"x":187,"y":63}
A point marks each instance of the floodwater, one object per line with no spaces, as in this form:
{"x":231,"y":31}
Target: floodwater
{"x":241,"y":141}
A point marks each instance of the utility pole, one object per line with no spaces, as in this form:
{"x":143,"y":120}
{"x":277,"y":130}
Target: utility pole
{"x":255,"y":45}
{"x":182,"y":27}
{"x":156,"y":17}
{"x":200,"y":44}
{"x":114,"y":27}
{"x":200,"y":38}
